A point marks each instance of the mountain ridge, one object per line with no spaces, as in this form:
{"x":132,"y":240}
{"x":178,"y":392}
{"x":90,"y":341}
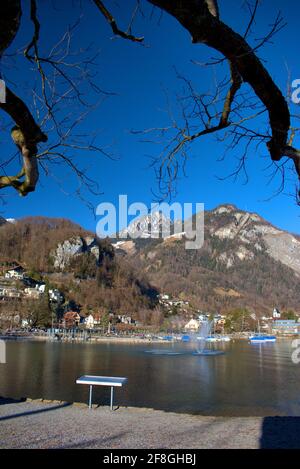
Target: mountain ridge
{"x":245,"y":261}
{"x":236,"y":243}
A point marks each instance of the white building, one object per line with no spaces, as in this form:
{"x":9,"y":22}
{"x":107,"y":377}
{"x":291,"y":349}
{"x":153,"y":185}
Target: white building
{"x":25,"y":323}
{"x":41,"y":288}
{"x":92,"y":320}
{"x":9,"y":292}
{"x":192,"y":325}
{"x":55,"y":295}
{"x":32,"y":293}
{"x":165,"y":297}
{"x":126,"y":319}
{"x":276,"y":313}
{"x":89,"y":321}
{"x":17,"y":273}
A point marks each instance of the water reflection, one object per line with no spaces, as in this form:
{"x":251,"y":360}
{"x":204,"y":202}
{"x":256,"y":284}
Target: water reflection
{"x":245,"y":380}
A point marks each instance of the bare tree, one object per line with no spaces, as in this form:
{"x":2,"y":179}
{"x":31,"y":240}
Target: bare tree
{"x":225,"y":109}
{"x":201,"y":19}
{"x":63,"y":94}
{"x":27,"y":134}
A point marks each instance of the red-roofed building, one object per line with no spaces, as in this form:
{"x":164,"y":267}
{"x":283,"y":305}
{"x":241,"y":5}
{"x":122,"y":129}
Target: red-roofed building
{"x":71,"y":319}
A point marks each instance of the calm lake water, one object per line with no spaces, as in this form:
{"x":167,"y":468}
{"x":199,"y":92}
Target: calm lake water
{"x":246,"y":380}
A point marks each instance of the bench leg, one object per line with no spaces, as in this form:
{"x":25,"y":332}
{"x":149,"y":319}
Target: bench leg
{"x":111,"y":398}
{"x":90,"y":397}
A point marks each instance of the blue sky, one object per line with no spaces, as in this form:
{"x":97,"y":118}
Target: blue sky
{"x":141,"y":77}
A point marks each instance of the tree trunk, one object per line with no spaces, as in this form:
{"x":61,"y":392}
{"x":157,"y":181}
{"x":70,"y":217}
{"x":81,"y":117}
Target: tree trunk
{"x":10,"y":17}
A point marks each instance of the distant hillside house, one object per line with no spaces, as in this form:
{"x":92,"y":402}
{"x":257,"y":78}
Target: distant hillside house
{"x":9,"y":292}
{"x":125,"y":319}
{"x":192,"y":325}
{"x":32,"y":293}
{"x":55,"y":295}
{"x":16,"y":273}
{"x":40,"y":287}
{"x":163,"y":296}
{"x":71,"y":319}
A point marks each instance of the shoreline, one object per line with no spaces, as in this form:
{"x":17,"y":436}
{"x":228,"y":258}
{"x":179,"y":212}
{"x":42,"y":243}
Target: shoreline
{"x":121,"y":338}
{"x":103,"y":339}
{"x":103,"y":406}
{"x":115,"y":339}
{"x":50,"y":425}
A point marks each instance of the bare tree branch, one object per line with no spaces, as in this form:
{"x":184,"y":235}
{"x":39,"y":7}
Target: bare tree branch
{"x":201,"y":19}
{"x":108,"y":16}
{"x":208,"y":29}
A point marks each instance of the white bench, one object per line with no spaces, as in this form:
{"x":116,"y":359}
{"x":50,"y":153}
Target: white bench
{"x":101,"y":381}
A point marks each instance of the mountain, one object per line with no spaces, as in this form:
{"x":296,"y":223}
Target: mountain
{"x":2,"y":221}
{"x":245,"y":261}
{"x":72,"y":259}
{"x":250,"y":230}
{"x":154,"y":224}
{"x":31,"y":240}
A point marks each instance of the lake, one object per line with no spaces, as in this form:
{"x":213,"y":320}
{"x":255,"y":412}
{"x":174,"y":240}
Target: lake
{"x":246,"y":380}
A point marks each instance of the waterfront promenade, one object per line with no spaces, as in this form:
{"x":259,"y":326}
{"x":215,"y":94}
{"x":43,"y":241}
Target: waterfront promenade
{"x":36,"y":424}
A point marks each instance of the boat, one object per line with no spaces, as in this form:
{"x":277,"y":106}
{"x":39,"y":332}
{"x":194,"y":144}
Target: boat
{"x":261,"y":338}
{"x":270,"y":338}
{"x":217,"y":338}
{"x":185,"y":338}
{"x":211,"y":338}
{"x":169,"y":338}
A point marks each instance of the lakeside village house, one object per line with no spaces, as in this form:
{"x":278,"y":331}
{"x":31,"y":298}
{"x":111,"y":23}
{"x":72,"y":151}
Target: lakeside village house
{"x":94,"y":320}
{"x":193,"y":325}
{"x":13,"y":271}
{"x":276,"y":325}
{"x":165,"y":300}
{"x":16,"y":273}
{"x":72,"y":319}
{"x":268,"y":324}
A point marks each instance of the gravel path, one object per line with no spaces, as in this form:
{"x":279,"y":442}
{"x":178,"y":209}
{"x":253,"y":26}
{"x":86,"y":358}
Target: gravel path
{"x":36,"y":424}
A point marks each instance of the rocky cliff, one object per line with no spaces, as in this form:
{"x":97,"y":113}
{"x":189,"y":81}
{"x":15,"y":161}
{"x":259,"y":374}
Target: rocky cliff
{"x":245,"y":261}
{"x":70,"y":248}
